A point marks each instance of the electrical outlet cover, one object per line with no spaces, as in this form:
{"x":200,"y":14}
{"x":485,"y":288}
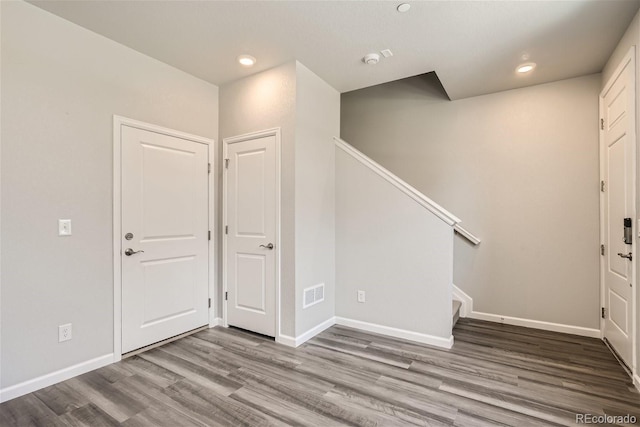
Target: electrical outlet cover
{"x":64,"y":332}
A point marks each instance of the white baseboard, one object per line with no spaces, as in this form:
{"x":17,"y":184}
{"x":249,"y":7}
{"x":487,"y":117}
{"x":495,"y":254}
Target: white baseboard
{"x":636,"y":381}
{"x":536,"y":324}
{"x":300,"y":339}
{"x":216,"y":321}
{"x":290,"y":341}
{"x":397,"y":333}
{"x":287,"y":340}
{"x":465,"y":299}
{"x":26,"y":387}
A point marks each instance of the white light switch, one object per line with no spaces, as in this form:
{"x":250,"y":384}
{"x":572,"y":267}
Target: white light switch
{"x":64,"y":227}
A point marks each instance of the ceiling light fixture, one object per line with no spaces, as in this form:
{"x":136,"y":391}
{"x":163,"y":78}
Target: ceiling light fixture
{"x":246,"y":60}
{"x":403,"y":7}
{"x":371,"y":59}
{"x":525,"y":68}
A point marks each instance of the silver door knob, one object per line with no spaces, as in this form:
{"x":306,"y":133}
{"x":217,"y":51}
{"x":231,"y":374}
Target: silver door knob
{"x":627,"y":256}
{"x":269,"y":246}
{"x":129,"y":252}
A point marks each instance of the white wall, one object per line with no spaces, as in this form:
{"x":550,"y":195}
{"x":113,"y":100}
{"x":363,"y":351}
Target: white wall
{"x":61,"y":84}
{"x":262,"y":101}
{"x":395,"y":250}
{"x":519,"y":168}
{"x":630,"y":39}
{"x":317,"y":122}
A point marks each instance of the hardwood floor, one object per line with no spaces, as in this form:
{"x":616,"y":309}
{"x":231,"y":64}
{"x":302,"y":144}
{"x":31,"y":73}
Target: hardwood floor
{"x":494,"y":375}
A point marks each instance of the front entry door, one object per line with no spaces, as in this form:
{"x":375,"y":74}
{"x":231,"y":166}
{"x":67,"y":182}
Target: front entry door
{"x":250,"y":212}
{"x":165,"y":237}
{"x":617,"y":140}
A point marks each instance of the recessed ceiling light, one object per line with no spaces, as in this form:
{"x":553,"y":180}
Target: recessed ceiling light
{"x":403,"y":7}
{"x":246,"y":60}
{"x":525,"y":68}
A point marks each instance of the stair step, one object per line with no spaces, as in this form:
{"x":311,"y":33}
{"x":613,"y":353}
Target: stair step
{"x":456,"y":310}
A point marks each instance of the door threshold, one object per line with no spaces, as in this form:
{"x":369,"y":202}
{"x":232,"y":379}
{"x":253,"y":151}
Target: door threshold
{"x":163,"y":342}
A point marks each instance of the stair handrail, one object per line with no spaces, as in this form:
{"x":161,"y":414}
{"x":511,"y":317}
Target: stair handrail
{"x":390,"y":177}
{"x":407,"y":189}
{"x":466,"y":234}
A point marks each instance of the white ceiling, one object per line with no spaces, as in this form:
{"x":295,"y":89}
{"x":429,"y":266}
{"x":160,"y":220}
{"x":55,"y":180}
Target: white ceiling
{"x":473,"y":46}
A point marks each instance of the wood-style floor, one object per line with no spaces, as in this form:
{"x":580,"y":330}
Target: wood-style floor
{"x":494,"y":375}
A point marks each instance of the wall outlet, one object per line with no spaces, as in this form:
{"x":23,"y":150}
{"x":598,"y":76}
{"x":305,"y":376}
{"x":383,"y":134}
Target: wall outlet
{"x":64,"y":332}
{"x":361,"y":296}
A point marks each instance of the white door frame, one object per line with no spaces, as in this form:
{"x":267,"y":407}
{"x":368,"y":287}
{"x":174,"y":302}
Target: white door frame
{"x":118,"y":122}
{"x":629,"y":59}
{"x":275,"y":132}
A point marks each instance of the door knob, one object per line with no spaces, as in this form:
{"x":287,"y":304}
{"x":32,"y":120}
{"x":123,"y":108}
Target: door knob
{"x":269,"y":246}
{"x":627,"y":256}
{"x":129,"y":252}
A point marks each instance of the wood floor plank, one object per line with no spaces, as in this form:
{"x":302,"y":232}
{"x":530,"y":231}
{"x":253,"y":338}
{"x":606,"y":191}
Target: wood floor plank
{"x":89,"y":416}
{"x":215,"y":408}
{"x":495,"y":375}
{"x":61,"y":398}
{"x":103,"y":395}
{"x":27,"y":411}
{"x":193,"y":371}
{"x":161,"y":416}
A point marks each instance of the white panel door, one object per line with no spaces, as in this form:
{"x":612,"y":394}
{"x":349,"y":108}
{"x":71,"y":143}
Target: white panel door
{"x":618,"y":151}
{"x":250,"y":184}
{"x":165,"y":223}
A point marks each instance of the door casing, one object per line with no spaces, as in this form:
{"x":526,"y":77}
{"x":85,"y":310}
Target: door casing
{"x":118,"y":122}
{"x":275,"y":132}
{"x":629,"y":58}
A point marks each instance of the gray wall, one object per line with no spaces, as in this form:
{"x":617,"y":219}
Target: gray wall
{"x":631,"y":38}
{"x":61,"y":85}
{"x":392,"y":248}
{"x":317,"y":122}
{"x":520,"y":168}
{"x":262,"y":101}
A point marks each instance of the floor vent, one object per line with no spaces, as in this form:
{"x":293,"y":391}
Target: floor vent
{"x":313,"y":295}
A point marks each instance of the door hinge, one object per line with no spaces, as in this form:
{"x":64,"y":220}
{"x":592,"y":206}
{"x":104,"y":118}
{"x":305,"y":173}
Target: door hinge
{"x":209,"y":302}
{"x":601,"y":249}
{"x":603,"y":313}
{"x":226,"y":229}
{"x":208,"y":167}
{"x":602,"y":186}
{"x":226,"y":163}
{"x":209,"y":234}
{"x":602,"y":124}
{"x":226,"y":296}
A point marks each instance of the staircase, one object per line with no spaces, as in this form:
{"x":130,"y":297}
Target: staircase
{"x":370,"y":197}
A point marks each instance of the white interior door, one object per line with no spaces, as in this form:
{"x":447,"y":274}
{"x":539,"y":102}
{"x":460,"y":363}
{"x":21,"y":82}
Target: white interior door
{"x":251,"y":253}
{"x":165,"y":223}
{"x":617,"y":108}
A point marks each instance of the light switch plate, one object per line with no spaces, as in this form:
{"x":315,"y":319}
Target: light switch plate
{"x":64,"y":227}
